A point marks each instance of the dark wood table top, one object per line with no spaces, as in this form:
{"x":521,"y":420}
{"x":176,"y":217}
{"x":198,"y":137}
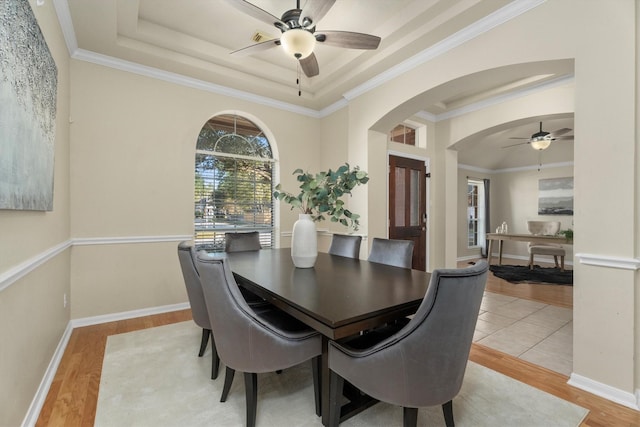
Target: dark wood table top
{"x":339,"y":296}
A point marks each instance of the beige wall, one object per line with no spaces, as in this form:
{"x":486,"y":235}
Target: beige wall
{"x":602,"y":40}
{"x":132,"y":178}
{"x":514,"y":199}
{"x":32,"y":315}
{"x":124,"y":185}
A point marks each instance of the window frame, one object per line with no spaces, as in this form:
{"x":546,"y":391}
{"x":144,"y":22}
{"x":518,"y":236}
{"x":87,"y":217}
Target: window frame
{"x":205,"y":223}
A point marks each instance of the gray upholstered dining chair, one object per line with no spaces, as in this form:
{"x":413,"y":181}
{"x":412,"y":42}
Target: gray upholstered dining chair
{"x":252,"y":342}
{"x":398,"y":253}
{"x":244,"y":242}
{"x":422,"y":364}
{"x":346,"y":245}
{"x":187,"y":257}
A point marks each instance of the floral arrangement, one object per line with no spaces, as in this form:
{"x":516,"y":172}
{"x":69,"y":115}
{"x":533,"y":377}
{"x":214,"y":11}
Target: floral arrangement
{"x":321,"y":194}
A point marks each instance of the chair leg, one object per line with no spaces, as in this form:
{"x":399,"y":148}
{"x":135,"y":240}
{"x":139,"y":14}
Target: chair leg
{"x":204,"y":340}
{"x":530,"y":261}
{"x":228,"y":380}
{"x":561,"y":263}
{"x":409,"y":417}
{"x":215,"y":359}
{"x":335,"y":398}
{"x":251,"y":392}
{"x":317,"y":390}
{"x":447,"y":410}
{"x":555,"y":260}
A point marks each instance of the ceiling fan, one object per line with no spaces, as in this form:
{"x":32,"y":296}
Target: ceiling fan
{"x":541,"y":140}
{"x":299,"y":36}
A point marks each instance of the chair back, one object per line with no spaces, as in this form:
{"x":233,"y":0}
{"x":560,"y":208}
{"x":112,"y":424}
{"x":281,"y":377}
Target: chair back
{"x":241,"y":242}
{"x":398,"y":253}
{"x":543,"y":228}
{"x":187,"y":256}
{"x":345,"y":245}
{"x":245,"y":341}
{"x":424,"y":363}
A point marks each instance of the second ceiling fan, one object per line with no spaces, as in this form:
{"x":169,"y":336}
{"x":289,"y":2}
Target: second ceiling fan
{"x":299,"y":34}
{"x":541,"y":140}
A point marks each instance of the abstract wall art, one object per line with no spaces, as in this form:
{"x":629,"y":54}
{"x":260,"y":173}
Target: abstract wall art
{"x":28,"y":94}
{"x":555,"y":196}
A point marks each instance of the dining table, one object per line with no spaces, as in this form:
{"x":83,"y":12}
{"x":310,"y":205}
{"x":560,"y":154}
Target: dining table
{"x":531,"y":238}
{"x":339,"y":297}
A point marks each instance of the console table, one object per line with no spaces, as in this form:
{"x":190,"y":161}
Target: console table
{"x":500,"y":237}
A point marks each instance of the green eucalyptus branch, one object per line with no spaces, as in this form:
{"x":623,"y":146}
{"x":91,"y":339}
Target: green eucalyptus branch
{"x":321,"y":194}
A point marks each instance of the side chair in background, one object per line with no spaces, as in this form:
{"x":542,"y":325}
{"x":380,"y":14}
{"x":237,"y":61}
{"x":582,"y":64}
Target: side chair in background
{"x":346,"y":245}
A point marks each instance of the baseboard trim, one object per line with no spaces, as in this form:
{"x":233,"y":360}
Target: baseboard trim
{"x":627,"y":399}
{"x":113,"y":317}
{"x":33,"y":413}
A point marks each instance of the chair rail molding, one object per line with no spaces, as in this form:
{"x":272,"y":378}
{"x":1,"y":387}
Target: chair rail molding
{"x":608,"y":261}
{"x":14,"y":274}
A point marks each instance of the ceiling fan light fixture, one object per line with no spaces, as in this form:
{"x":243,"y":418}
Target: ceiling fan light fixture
{"x":540,"y":143}
{"x":298,"y":43}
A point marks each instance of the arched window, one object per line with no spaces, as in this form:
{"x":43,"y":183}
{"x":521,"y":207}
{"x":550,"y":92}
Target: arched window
{"x":233,"y":182}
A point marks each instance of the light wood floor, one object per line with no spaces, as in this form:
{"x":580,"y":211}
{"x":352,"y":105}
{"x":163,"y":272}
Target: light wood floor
{"x":73,"y":394}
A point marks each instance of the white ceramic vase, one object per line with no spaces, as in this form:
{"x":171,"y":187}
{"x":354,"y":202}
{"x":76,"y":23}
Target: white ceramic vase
{"x":304,"y":242}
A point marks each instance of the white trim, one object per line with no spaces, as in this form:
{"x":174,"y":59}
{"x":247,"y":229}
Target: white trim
{"x":610,"y":393}
{"x":113,"y":317}
{"x":66,"y":24}
{"x":411,"y":156}
{"x":609,"y":261}
{"x":476,"y":106}
{"x":12,"y":275}
{"x":33,"y":412}
{"x":84,"y":241}
{"x":548,"y":259}
{"x":143,"y":70}
{"x":499,"y":17}
{"x":39,"y":398}
{"x":479,"y":27}
{"x":518,"y":169}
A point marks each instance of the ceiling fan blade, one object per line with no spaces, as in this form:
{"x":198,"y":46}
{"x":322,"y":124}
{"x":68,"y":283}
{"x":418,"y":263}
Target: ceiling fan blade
{"x":314,"y":11}
{"x":518,"y":137}
{"x":561,"y":132}
{"x":513,"y":145}
{"x":256,"y":12}
{"x":564,"y":138}
{"x":348,"y":39}
{"x":310,"y":65}
{"x":255,"y":48}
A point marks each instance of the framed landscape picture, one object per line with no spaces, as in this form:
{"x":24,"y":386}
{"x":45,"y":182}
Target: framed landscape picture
{"x":555,"y":196}
{"x":28,"y":96}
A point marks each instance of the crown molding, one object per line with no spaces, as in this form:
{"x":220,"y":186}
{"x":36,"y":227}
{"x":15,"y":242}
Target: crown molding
{"x":483,"y":25}
{"x":508,"y":12}
{"x":518,"y":169}
{"x":143,"y":70}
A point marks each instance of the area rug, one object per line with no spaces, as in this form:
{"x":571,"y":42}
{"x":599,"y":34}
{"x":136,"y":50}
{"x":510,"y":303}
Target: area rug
{"x":522,"y":274}
{"x":153,"y":377}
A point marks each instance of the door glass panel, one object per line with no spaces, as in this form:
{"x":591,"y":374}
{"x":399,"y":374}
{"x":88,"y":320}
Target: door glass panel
{"x":415,"y":199}
{"x":400,"y":197}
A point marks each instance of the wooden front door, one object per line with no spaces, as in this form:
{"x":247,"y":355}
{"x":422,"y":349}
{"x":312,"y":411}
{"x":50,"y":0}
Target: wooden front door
{"x":408,"y":206}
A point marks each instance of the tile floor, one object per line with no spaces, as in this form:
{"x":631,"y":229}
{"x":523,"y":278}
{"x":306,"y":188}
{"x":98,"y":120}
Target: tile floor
{"x":539,"y":333}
